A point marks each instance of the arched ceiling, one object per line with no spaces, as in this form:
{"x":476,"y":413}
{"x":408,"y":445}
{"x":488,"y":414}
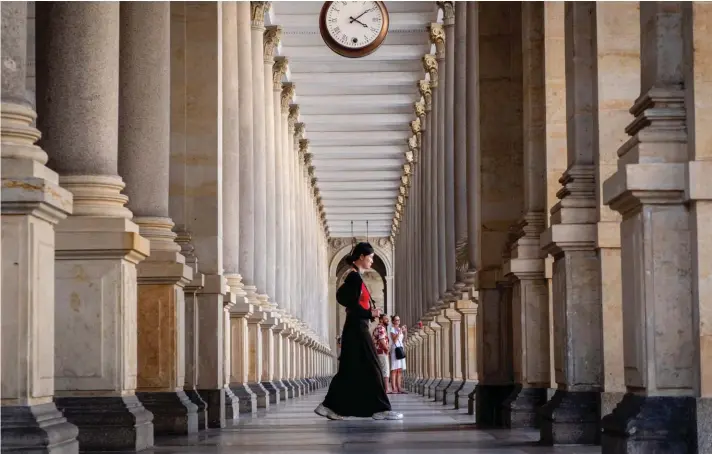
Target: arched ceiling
{"x":356,"y":112}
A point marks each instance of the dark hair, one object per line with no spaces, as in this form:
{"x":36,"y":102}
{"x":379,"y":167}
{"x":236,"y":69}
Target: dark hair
{"x":363,"y":248}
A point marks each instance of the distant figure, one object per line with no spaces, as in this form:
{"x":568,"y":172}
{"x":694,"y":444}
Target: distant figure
{"x":382,"y":344}
{"x":398,"y":334}
{"x":357,"y":389}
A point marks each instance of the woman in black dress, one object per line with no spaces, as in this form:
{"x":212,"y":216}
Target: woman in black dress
{"x":357,"y":389}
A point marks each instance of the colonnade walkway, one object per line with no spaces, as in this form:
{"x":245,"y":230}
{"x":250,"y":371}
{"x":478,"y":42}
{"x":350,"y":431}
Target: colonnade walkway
{"x":427,"y":427}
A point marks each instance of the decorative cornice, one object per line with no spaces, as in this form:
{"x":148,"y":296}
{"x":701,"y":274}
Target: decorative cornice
{"x":437,"y":37}
{"x":426,"y":93}
{"x":430,"y":65}
{"x":257,"y":13}
{"x":279,"y":69}
{"x":286,"y":96}
{"x":448,"y":12}
{"x":271,"y":36}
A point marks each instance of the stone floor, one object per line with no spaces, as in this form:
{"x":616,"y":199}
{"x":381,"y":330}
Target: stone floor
{"x":292,"y":427}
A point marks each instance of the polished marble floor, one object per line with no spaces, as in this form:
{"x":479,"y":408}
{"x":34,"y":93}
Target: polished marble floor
{"x":292,"y":427}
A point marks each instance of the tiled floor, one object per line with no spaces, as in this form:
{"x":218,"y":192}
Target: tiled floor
{"x":292,"y":427}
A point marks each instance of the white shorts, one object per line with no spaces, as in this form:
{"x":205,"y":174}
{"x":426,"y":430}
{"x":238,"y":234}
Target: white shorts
{"x":385,"y":365}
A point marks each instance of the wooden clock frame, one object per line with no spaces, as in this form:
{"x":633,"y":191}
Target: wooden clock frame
{"x":345,"y":51}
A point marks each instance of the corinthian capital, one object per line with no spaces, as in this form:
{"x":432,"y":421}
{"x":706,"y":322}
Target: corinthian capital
{"x":279,"y":69}
{"x":303,"y":145}
{"x":294,"y":113}
{"x":415,"y":126}
{"x":257,"y":13}
{"x":412,"y":146}
{"x":299,"y":132}
{"x":430,"y":65}
{"x":426,"y":93}
{"x":437,"y":37}
{"x":286,"y":96}
{"x":272,"y":35}
{"x":448,"y":12}
{"x":419,"y":108}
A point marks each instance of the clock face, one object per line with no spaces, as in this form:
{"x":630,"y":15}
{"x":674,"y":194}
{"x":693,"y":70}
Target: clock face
{"x":355,"y":25}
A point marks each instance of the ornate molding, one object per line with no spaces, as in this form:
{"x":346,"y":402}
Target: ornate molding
{"x":257,"y":13}
{"x":448,"y":12}
{"x":299,"y":131}
{"x":303,"y":146}
{"x":412,"y":145}
{"x":437,"y":37}
{"x":426,"y":93}
{"x":279,"y":69}
{"x":293,"y":117}
{"x":407,"y":169}
{"x":419,"y":108}
{"x":415,"y":126}
{"x":430,"y":65}
{"x":272,"y":36}
{"x":286,"y":97}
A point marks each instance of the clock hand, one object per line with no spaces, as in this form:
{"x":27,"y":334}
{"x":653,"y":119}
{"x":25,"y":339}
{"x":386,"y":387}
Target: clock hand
{"x":356,"y":20}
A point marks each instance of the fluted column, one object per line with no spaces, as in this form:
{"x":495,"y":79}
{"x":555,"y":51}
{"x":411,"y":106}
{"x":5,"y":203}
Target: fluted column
{"x":237,"y":211}
{"x":77,"y":93}
{"x":32,"y":204}
{"x":429,"y":270}
{"x":144,"y":124}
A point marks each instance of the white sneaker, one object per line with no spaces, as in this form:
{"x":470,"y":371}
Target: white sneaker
{"x":390,"y":415}
{"x":321,"y":410}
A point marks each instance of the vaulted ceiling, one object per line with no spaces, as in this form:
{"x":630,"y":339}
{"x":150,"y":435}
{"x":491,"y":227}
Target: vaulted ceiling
{"x":356,"y":112}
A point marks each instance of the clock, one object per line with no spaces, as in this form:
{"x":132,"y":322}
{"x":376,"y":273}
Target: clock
{"x":353,"y":29}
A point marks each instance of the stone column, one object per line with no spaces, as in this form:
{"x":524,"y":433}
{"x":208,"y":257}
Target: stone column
{"x":238,"y":209}
{"x":95,"y":363}
{"x":259,"y":163}
{"x":525,"y":269}
{"x":32,"y":204}
{"x":286,"y":359}
{"x":271,"y":38}
{"x":662,"y":198}
{"x":144,"y":154}
{"x":426,"y":196}
{"x":455,"y":362}
{"x":178,"y":206}
{"x":286,"y":153}
{"x":254,"y":335}
{"x":472,"y":140}
{"x":500,"y":202}
{"x":572,"y":414}
{"x":278,"y":70}
{"x":445,"y":354}
{"x":271,"y":320}
{"x":465,"y":396}
{"x":279,"y":360}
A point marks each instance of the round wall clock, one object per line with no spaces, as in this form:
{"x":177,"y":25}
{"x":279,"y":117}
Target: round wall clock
{"x":353,"y":29}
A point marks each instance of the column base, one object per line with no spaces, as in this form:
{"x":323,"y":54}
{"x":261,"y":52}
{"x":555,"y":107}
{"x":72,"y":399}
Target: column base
{"x":449,"y":394}
{"x":37,"y":429}
{"x":520,"y":409}
{"x":303,"y":385}
{"x":272,"y":391}
{"x":261,"y":394}
{"x":232,"y":405}
{"x":650,"y":425}
{"x":109,"y":423}
{"x":462,"y":395}
{"x":423,"y":386}
{"x":487,"y":405}
{"x":609,"y":402}
{"x":215,"y":401}
{"x":571,"y":418}
{"x":247,"y":399}
{"x":432,"y":386}
{"x":201,"y":408}
{"x":440,"y":389}
{"x":173,"y":412}
{"x":281,"y":390}
{"x":291,"y":392}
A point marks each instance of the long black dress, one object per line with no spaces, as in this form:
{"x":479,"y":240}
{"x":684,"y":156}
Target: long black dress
{"x":357,"y":389}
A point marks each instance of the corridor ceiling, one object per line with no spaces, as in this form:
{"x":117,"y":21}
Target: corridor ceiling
{"x":356,"y":112}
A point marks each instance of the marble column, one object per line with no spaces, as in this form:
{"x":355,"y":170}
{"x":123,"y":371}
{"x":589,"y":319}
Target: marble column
{"x":572,"y":414}
{"x":78,"y":92}
{"x":271,"y":38}
{"x":286,"y":359}
{"x":178,"y":190}
{"x":446,"y":372}
{"x":32,"y":204}
{"x":271,"y":320}
{"x":238,"y":211}
{"x":195,"y":124}
{"x":427,"y":196}
{"x":144,"y":155}
{"x":658,"y":193}
{"x":500,"y":199}
{"x":259,"y":162}
{"x":286,"y":153}
{"x":525,"y":269}
{"x":279,"y":353}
